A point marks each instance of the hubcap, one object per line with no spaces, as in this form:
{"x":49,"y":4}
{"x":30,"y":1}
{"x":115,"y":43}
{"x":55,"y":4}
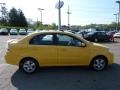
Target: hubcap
{"x":96,"y":40}
{"x":29,"y":66}
{"x":99,"y":64}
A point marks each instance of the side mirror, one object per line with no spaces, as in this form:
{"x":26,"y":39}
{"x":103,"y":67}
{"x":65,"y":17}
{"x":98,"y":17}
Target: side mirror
{"x":83,"y":45}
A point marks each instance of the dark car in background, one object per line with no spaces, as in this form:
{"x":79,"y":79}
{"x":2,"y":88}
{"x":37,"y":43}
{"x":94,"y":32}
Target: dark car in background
{"x":82,"y":33}
{"x":97,"y":36}
{"x":3,"y":31}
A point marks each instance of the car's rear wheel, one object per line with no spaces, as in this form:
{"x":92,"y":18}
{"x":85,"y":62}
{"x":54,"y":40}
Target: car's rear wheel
{"x":98,"y":63}
{"x":29,"y":65}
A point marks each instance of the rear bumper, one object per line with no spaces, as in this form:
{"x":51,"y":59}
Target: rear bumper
{"x":11,"y":59}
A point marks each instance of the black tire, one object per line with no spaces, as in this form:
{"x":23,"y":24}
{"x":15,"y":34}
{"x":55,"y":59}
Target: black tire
{"x":99,"y":63}
{"x":29,"y":65}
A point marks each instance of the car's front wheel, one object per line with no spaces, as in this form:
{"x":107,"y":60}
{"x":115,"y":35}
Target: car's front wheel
{"x":98,"y":63}
{"x":29,"y":65}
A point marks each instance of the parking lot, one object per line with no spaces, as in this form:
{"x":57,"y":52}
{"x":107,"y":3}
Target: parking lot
{"x":77,"y":78}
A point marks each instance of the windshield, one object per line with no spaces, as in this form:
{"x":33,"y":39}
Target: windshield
{"x":22,"y":30}
{"x":13,"y":30}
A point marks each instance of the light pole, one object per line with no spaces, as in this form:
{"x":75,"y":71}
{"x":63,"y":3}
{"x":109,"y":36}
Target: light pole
{"x":41,"y":9}
{"x":116,"y":20}
{"x":118,"y":13}
{"x":68,"y":17}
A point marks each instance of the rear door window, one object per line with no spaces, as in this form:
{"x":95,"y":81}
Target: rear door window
{"x":43,"y":39}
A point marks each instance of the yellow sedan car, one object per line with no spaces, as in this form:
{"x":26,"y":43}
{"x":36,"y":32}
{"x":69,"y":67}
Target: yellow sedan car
{"x":56,"y":48}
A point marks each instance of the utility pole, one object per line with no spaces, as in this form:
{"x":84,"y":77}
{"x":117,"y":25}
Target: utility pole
{"x":58,"y":6}
{"x":116,"y":21}
{"x":68,"y":17}
{"x":59,"y":17}
{"x":118,"y":13}
{"x":41,"y":9}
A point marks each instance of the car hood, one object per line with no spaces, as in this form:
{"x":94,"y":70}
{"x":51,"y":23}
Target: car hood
{"x":97,"y":46}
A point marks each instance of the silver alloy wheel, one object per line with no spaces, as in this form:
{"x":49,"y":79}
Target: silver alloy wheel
{"x":29,"y":66}
{"x":99,"y":64}
{"x":96,"y":40}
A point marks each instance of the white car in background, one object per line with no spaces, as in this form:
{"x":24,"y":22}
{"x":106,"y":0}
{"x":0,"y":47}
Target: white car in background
{"x":22,"y":32}
{"x":117,"y":35}
{"x":13,"y":32}
{"x":30,"y":31}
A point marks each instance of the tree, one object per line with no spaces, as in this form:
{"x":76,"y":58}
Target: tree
{"x":4,"y":16}
{"x":54,"y":26}
{"x":21,"y":19}
{"x":13,"y":17}
{"x":17,"y":18}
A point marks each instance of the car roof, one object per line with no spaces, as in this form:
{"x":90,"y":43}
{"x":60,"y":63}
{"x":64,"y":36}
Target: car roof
{"x":52,"y":31}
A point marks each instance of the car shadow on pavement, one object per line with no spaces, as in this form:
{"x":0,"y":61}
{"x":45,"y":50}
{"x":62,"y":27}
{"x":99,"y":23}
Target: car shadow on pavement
{"x":68,"y":78}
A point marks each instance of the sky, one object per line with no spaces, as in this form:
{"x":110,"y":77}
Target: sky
{"x":83,"y":12}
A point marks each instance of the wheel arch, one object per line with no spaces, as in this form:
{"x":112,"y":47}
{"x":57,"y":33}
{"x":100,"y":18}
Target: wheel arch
{"x":23,"y":59}
{"x":98,"y":56}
